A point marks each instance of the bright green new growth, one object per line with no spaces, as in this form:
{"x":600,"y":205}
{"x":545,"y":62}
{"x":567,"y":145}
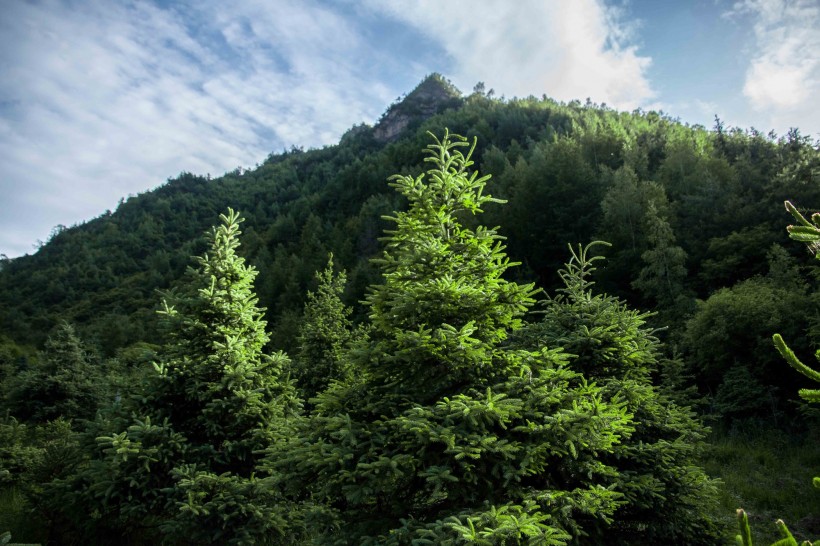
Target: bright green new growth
{"x":807,"y":232}
{"x":665,"y":495}
{"x":446,"y":434}
{"x":215,"y":384}
{"x":745,"y":536}
{"x":181,"y":468}
{"x":443,"y":288}
{"x":810,"y":395}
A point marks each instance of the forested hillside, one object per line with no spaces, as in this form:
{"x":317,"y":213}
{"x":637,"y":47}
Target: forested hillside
{"x":692,"y":214}
{"x":440,"y":324}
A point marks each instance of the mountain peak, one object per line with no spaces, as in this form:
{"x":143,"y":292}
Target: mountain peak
{"x":434,"y":94}
{"x":433,"y":86}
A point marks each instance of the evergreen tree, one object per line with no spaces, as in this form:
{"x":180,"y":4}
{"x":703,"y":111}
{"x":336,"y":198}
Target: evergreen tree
{"x":325,"y":332}
{"x":64,"y":382}
{"x":623,"y":209}
{"x":666,"y":495}
{"x":31,"y":456}
{"x":182,"y":470}
{"x":446,"y":435}
{"x":215,"y":384}
{"x":662,"y":276}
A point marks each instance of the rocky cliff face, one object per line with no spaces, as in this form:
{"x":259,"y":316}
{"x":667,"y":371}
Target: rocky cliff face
{"x":432,"y":95}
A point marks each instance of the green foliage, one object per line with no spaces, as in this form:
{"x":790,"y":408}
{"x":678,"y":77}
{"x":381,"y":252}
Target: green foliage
{"x":448,"y":435}
{"x":443,"y":293}
{"x":64,"y":383}
{"x":226,"y":509}
{"x":665,"y":494}
{"x":214,"y":383}
{"x":569,"y":171}
{"x":215,"y":401}
{"x":810,"y":395}
{"x":766,"y":471}
{"x":662,"y":277}
{"x":13,"y":358}
{"x":809,"y":233}
{"x":626,"y":223}
{"x":17,"y":456}
{"x":31,"y":456}
{"x":727,"y":339}
{"x":324,"y":334}
{"x":742,"y":394}
{"x":745,"y":536}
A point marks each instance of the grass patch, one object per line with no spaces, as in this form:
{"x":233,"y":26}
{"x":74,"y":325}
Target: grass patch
{"x":769,"y":474}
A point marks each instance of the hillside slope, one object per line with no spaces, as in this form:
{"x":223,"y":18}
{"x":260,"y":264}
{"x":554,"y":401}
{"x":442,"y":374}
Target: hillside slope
{"x":689,"y":212}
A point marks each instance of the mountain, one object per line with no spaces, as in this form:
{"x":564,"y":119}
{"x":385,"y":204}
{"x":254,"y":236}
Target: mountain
{"x":576,"y":402}
{"x":433,"y":95}
{"x":571,"y":172}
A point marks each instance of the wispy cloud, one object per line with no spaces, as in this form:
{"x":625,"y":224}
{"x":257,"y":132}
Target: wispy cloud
{"x":567,"y":50}
{"x":783,"y":77}
{"x":100,"y":99}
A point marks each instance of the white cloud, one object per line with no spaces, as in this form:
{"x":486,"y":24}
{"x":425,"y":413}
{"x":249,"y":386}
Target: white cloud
{"x":101,"y":99}
{"x":566,"y":50}
{"x":783,"y":77}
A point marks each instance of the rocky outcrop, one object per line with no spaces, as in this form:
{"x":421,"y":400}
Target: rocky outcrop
{"x":433,"y":95}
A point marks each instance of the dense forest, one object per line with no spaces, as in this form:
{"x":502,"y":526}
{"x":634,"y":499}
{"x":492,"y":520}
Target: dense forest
{"x":480,"y":321}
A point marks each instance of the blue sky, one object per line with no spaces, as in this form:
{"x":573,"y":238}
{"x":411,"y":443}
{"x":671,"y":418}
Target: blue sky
{"x":100,"y":99}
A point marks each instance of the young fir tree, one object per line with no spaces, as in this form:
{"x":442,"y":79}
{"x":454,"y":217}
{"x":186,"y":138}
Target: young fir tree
{"x":324,"y":335}
{"x":445,"y":435}
{"x":64,"y":383}
{"x":183,"y":470}
{"x":662,"y":276}
{"x":666,"y":496}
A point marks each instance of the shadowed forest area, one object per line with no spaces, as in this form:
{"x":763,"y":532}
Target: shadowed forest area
{"x":481,"y":321}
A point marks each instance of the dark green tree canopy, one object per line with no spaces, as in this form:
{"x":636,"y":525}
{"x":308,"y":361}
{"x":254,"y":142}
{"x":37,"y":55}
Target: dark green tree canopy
{"x":65,"y":382}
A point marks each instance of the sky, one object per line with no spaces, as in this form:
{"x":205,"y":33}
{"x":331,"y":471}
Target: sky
{"x":102,"y":99}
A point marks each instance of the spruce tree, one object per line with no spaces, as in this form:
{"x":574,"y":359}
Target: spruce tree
{"x":325,"y":333}
{"x":666,"y":496}
{"x":446,"y":435}
{"x":662,"y":276}
{"x":215,"y":383}
{"x":183,"y":469}
{"x":65,"y":382}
